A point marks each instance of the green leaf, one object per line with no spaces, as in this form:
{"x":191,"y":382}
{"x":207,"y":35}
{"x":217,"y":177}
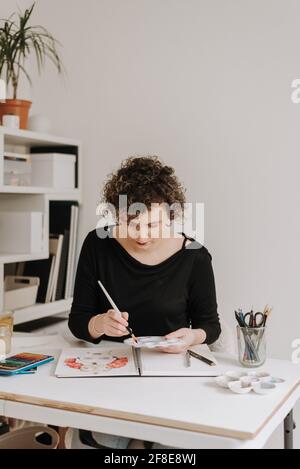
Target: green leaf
{"x":19,"y":40}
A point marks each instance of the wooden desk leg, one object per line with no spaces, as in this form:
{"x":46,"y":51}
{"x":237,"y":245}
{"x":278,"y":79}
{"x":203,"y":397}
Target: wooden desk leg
{"x":289,"y":427}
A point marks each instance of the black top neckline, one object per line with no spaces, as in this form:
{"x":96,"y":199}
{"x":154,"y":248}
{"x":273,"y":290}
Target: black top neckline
{"x":141,"y":264}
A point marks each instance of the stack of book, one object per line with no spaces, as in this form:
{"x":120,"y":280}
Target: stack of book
{"x":56,"y":273}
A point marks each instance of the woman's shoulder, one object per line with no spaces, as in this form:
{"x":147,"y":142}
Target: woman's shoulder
{"x":98,"y":236}
{"x":200,"y":252}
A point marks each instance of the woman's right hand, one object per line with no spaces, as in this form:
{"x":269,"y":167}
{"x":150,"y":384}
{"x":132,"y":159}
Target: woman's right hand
{"x":111,"y":324}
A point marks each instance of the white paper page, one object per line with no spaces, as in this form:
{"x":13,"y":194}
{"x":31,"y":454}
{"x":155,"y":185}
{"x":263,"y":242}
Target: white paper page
{"x":155,"y":363}
{"x":93,"y":362}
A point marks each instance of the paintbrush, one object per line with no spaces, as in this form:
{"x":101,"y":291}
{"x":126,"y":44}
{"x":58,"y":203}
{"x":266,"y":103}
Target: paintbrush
{"x":267,"y":311}
{"x":116,"y":309}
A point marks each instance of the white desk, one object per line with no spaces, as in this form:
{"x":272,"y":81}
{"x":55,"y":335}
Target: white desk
{"x":180,"y":412}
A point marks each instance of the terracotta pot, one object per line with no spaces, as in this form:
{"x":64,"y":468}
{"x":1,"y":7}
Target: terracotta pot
{"x":17,"y":107}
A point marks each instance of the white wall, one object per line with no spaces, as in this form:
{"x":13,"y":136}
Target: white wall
{"x":205,"y":84}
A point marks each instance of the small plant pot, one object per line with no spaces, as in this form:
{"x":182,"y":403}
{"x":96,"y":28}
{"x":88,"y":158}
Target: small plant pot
{"x":17,"y":107}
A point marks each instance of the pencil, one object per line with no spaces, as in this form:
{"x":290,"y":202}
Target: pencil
{"x":116,"y":309}
{"x":200,"y":357}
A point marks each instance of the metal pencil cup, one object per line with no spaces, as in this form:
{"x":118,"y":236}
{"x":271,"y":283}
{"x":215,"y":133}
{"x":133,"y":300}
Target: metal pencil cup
{"x":252,"y":346}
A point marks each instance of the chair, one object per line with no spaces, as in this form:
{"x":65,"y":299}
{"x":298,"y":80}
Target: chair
{"x":37,"y":437}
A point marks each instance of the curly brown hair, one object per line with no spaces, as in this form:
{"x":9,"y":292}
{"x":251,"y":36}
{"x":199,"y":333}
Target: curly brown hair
{"x":146,"y":180}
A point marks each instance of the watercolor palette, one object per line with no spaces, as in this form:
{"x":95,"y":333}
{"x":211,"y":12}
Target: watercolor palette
{"x":153,"y":342}
{"x":240,"y":382}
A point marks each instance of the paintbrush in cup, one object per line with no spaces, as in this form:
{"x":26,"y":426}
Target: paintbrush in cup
{"x":267,"y":311}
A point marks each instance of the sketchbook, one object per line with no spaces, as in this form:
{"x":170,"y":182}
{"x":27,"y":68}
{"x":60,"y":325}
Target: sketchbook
{"x":109,"y":361}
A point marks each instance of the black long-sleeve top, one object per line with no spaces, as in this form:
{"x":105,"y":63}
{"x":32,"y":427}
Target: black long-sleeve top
{"x":178,"y":292}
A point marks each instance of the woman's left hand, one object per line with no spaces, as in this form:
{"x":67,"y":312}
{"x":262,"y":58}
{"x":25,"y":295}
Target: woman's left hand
{"x":188,"y":336}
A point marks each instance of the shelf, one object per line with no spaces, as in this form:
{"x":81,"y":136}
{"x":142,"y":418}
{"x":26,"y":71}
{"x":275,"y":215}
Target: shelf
{"x":41,"y":310}
{"x":24,"y":190}
{"x":16,"y":143}
{"x":20,"y":257}
{"x":52,"y":193}
{"x":27,"y":137}
{"x":73,"y":195}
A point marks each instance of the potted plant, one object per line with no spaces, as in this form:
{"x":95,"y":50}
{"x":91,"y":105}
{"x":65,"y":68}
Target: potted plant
{"x":18,"y":40}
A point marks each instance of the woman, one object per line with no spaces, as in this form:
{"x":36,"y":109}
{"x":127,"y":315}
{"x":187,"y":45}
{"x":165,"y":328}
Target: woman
{"x":162,"y":280}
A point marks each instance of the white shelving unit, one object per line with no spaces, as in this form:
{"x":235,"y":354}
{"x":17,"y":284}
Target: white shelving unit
{"x":39,"y":311}
{"x":36,"y":198}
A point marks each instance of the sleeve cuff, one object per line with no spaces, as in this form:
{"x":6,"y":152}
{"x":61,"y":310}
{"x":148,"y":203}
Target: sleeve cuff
{"x":212,"y":333}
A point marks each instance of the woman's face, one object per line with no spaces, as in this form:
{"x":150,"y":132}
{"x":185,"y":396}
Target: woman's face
{"x":147,"y":230}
